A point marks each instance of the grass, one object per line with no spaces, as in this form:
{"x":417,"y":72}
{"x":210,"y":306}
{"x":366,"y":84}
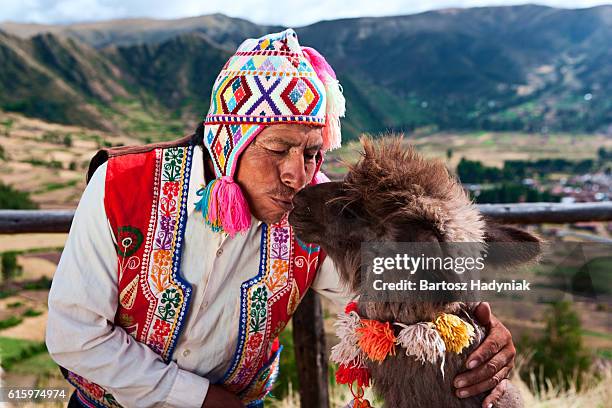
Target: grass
{"x":605,"y":353}
{"x":56,"y":186}
{"x":13,"y":351}
{"x":40,"y":364}
{"x":597,"y":334}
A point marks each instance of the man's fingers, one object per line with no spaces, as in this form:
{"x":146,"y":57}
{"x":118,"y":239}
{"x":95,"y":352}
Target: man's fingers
{"x":495,"y":395}
{"x":482,"y":313}
{"x":505,"y":358}
{"x":485,"y":385}
{"x":497,"y":339}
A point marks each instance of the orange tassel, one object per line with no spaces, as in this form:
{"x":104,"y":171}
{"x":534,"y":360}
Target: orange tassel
{"x":376,"y":339}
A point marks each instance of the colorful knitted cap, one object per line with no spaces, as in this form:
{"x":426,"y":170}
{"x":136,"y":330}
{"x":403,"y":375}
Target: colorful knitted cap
{"x":269,"y":80}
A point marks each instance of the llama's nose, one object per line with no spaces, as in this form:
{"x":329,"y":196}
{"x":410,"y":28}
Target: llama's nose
{"x":299,"y":199}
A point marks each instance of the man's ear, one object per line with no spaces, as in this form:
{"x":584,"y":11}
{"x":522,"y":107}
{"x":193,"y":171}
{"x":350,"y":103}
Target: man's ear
{"x":511,"y":245}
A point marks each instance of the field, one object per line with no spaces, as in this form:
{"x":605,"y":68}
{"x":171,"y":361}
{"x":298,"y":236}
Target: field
{"x":50,"y":160}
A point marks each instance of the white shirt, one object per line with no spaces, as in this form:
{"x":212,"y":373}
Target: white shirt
{"x":83,"y":302}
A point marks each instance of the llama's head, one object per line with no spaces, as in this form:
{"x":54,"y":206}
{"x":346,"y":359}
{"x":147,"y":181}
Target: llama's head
{"x":393,"y":194}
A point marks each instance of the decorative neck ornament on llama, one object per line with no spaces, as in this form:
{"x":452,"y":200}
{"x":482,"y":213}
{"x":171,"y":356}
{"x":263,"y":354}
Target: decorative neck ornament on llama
{"x":362,"y":339}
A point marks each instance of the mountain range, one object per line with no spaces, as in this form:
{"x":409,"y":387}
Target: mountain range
{"x":525,"y":68}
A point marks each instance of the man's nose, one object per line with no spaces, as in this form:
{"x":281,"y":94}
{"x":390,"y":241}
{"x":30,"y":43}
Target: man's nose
{"x":293,"y":173}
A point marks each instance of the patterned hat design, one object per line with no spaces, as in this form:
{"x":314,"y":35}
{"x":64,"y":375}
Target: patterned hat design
{"x":269,"y":80}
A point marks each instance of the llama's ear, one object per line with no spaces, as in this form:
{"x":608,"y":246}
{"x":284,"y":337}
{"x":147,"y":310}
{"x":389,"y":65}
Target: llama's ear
{"x":515,"y":246}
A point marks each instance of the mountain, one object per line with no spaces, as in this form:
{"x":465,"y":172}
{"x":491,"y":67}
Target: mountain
{"x":528,"y":68}
{"x":221,"y":30}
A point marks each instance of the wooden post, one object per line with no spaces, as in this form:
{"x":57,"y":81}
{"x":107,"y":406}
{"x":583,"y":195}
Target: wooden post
{"x":310,"y":353}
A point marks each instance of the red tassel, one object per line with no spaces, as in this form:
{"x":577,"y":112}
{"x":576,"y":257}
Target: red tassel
{"x":348,"y":375}
{"x":351,"y":307}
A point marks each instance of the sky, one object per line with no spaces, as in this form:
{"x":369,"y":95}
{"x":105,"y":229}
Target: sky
{"x":288,"y":13}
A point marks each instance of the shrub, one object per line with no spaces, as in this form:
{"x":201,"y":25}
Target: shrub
{"x":13,"y":199}
{"x":31,"y":313}
{"x":42,"y":283}
{"x":10,"y":267}
{"x":10,"y":322}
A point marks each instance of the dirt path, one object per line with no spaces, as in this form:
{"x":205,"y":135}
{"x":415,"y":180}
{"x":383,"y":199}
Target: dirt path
{"x":23,"y":242}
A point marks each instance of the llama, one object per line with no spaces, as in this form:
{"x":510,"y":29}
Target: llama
{"x":393,"y":194}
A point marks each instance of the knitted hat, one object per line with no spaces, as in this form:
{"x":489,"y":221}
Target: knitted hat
{"x":269,"y":80}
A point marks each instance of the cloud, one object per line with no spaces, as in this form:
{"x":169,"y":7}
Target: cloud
{"x":290,"y":13}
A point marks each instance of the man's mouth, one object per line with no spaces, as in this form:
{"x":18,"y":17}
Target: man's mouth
{"x":284,"y":203}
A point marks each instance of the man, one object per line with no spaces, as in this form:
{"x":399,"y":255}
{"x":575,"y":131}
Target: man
{"x":180,"y":269}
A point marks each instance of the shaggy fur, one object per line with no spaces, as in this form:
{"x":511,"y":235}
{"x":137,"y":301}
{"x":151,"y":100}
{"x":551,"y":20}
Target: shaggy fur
{"x":395,"y":195}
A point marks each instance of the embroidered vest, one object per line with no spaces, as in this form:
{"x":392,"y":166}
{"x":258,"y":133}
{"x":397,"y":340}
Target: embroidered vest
{"x":146,"y":204}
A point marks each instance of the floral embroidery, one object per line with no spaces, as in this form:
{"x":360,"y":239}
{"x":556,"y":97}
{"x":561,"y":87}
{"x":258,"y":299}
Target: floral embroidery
{"x":160,"y":273}
{"x":129,"y":240}
{"x":170,"y":301}
{"x":162,"y":258}
{"x":258,"y":309}
{"x":173,"y":158}
{"x":171,"y":188}
{"x":156,"y":316}
{"x":278,"y":277}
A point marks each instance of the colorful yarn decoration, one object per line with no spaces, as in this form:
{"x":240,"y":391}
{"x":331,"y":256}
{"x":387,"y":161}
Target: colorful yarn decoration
{"x":224,"y":207}
{"x":423,"y":341}
{"x":351,"y":307}
{"x":347,"y":374}
{"x":208,"y":207}
{"x":376,"y":339}
{"x":456,"y":333}
{"x":347,"y":351}
{"x":336,"y":104}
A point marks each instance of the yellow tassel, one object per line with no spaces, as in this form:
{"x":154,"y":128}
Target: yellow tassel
{"x":455,"y":333}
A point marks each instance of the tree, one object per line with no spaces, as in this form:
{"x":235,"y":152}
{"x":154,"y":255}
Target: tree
{"x":10,"y":267}
{"x":559,"y":355}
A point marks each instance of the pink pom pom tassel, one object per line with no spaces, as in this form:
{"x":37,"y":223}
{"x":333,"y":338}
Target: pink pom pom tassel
{"x":336,"y":104}
{"x":234,"y":211}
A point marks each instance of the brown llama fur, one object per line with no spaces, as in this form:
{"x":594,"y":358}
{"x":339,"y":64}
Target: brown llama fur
{"x":393,"y":194}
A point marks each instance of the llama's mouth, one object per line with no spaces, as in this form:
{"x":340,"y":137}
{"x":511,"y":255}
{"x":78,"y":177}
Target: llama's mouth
{"x":302,"y":224}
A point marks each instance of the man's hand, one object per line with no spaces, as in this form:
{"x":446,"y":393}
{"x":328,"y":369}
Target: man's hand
{"x":219,"y":397}
{"x":490,"y":364}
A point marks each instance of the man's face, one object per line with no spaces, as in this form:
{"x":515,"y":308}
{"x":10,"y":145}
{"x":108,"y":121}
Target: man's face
{"x":278,"y":163}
